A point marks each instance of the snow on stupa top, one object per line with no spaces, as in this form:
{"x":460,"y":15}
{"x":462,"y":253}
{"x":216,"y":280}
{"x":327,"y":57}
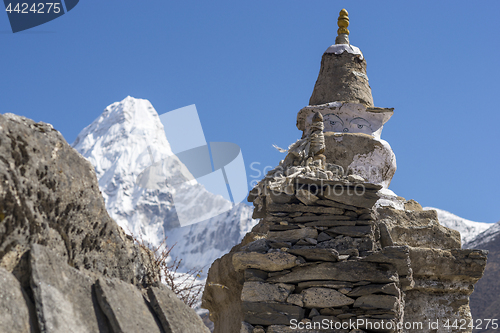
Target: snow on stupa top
{"x":342,"y":41}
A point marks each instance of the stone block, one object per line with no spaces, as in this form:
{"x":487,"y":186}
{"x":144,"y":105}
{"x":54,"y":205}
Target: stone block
{"x":64,"y":296}
{"x":331,"y":222}
{"x":270,"y":262}
{"x":292,"y":208}
{"x":315,"y":254}
{"x":296,"y":299}
{"x":125,"y":307}
{"x":351,"y":196}
{"x":352,"y":231}
{"x":389,"y":289}
{"x":350,"y":271}
{"x":324,"y":298}
{"x":348,"y":243}
{"x":174,"y":315}
{"x":255,"y":275}
{"x":292,"y":235}
{"x":377,"y":302}
{"x":271,"y":313}
{"x":306,"y":197}
{"x":265,"y":292}
{"x":14,"y":311}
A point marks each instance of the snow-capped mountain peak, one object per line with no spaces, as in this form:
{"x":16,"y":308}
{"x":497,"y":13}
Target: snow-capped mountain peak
{"x":127,"y":139}
{"x":468,"y":229}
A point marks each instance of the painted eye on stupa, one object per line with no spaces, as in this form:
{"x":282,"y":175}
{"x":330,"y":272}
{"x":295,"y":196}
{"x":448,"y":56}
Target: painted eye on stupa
{"x":332,"y":122}
{"x":360,"y":123}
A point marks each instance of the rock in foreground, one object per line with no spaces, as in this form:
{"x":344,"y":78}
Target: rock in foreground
{"x":65,"y":265}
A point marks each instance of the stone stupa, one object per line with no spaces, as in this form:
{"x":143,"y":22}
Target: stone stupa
{"x":335,"y":249}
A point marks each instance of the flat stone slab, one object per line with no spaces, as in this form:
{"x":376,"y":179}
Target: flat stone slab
{"x":330,"y":223}
{"x":348,"y":243}
{"x":350,"y":271}
{"x":323,"y":284}
{"x":351,"y":197}
{"x":14,"y":312}
{"x":174,"y":315}
{"x":316,"y":254}
{"x":329,"y":217}
{"x":323,"y":182}
{"x":292,"y":208}
{"x":325,"y":298}
{"x":270,"y":262}
{"x":292,"y":235}
{"x":352,"y":231}
{"x":63,"y":295}
{"x":125,"y":307}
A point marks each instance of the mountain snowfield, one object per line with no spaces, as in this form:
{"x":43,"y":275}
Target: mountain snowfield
{"x":490,"y":235}
{"x":127,"y":138}
{"x":468,"y":229}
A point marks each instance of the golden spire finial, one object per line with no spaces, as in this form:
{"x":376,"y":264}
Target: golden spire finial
{"x":343,"y":22}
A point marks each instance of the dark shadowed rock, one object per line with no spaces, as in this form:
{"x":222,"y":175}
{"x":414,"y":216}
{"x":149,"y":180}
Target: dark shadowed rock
{"x":316,"y":254}
{"x":389,"y":289}
{"x":271,"y":313}
{"x":341,"y":271}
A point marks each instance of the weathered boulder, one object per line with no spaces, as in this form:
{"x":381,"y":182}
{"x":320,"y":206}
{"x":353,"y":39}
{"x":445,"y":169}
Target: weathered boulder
{"x":65,"y":265}
{"x":14,"y":311}
{"x":49,"y":195}
{"x":64,"y":296}
{"x":418,"y":228}
{"x":173,"y":314}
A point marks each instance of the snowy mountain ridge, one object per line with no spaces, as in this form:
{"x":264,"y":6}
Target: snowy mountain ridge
{"x":468,"y":229}
{"x":127,"y":138}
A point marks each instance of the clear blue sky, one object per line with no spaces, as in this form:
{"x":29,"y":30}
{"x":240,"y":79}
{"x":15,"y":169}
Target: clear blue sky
{"x":250,"y":66}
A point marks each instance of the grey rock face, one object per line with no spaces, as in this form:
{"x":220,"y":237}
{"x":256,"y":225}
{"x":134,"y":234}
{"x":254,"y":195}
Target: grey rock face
{"x":173,"y":314}
{"x":342,"y":78}
{"x":57,"y":240}
{"x":63,"y":295}
{"x":125,"y":307}
{"x":49,"y":195}
{"x":14,"y":313}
